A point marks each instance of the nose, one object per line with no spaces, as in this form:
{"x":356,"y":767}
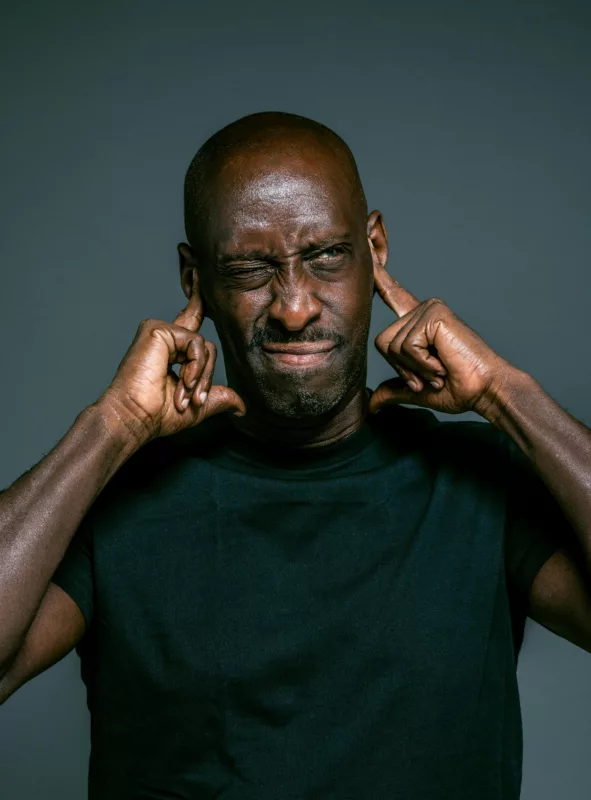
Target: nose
{"x":294,"y":303}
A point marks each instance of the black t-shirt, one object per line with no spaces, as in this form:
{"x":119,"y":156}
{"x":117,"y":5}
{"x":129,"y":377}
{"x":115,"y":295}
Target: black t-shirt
{"x":337,"y":624}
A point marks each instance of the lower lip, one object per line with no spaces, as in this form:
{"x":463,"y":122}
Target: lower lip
{"x":303,"y":360}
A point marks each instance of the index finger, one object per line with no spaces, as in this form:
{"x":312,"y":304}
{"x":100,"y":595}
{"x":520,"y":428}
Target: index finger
{"x":191,"y":316}
{"x":393,"y":293}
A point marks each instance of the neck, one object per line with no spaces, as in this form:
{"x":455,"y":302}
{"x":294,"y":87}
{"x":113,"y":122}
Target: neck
{"x":348,"y":416}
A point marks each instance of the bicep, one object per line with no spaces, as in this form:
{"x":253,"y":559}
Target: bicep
{"x":56,"y":629}
{"x":559,"y":599}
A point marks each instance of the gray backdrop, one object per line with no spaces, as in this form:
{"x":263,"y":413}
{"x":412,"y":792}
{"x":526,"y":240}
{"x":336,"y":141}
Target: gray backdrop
{"x":471,"y":125}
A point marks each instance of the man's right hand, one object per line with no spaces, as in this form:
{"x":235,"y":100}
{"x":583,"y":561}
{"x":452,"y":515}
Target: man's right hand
{"x":146,"y":394}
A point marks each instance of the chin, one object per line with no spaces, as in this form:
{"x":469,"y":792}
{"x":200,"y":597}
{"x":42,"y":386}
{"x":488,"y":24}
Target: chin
{"x":300,"y":401}
{"x":301,"y":404}
{"x":298,"y":395}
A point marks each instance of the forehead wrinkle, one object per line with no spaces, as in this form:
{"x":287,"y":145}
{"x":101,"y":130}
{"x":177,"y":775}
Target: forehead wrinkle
{"x":282,"y":242}
{"x":259,"y":225}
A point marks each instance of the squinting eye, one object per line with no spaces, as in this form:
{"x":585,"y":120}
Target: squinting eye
{"x":332,"y":252}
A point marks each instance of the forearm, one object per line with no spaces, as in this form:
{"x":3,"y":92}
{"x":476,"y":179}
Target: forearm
{"x":41,"y":511}
{"x":558,"y":445}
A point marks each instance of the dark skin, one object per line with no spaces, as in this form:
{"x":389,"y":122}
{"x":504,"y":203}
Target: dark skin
{"x":290,"y":258}
{"x":319,"y":261}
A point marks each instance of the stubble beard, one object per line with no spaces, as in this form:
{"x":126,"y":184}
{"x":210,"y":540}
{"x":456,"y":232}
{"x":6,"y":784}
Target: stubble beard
{"x":297,"y":398}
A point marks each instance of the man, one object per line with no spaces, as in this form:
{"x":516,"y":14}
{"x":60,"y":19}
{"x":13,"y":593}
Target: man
{"x":302,"y":598}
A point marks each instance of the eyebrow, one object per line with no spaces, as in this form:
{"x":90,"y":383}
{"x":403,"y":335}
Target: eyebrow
{"x":262,"y":255}
{"x":241,"y":255}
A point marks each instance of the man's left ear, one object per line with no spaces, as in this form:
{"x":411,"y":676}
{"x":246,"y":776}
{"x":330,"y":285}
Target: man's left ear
{"x":377,"y":239}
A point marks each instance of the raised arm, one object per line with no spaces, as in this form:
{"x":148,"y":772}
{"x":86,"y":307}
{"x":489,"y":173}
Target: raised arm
{"x":42,"y":510}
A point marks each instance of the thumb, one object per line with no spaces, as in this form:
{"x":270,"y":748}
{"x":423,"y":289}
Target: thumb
{"x":392,"y":392}
{"x":222,"y":398}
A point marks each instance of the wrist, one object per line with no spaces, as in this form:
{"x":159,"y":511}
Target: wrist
{"x":507,"y":387}
{"x":121,"y":426}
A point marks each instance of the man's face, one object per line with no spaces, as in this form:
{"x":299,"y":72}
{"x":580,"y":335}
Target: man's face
{"x":289,"y":262}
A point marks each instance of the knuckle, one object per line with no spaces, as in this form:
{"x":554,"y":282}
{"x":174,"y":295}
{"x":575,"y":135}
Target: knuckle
{"x":197,"y":340}
{"x":150,"y":325}
{"x":156,"y":327}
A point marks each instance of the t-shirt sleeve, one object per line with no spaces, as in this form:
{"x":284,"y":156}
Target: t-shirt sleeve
{"x":535,"y":525}
{"x":74,"y":573}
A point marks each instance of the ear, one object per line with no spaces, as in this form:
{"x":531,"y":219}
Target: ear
{"x":377,"y":239}
{"x":189,"y":272}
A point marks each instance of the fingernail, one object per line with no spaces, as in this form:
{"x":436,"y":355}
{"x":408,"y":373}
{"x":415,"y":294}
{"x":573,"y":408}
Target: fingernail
{"x":202,"y":397}
{"x":185,"y":402}
{"x":435,"y":384}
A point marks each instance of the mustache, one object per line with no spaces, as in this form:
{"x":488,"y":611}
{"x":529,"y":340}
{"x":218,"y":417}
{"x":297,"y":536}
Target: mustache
{"x":277,"y":335}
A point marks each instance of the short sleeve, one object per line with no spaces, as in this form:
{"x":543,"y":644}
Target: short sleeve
{"x":535,"y":525}
{"x":74,"y":573}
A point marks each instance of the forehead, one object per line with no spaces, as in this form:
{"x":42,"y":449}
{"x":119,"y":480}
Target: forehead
{"x":279,"y":203}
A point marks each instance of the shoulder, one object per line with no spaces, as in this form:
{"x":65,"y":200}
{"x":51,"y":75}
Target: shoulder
{"x":449,"y":437}
{"x":167,"y":459}
{"x":464,"y":455}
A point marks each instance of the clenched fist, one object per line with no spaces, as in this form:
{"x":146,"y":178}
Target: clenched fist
{"x":146,"y":394}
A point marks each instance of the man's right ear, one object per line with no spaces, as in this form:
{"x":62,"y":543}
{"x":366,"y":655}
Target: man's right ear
{"x":189,"y":273}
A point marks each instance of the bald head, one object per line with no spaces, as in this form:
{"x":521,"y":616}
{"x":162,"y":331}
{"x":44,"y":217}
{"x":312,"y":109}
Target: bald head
{"x":266,"y":144}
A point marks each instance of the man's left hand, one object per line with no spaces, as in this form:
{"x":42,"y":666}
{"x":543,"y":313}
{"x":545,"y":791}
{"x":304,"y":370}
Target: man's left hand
{"x":430,"y":343}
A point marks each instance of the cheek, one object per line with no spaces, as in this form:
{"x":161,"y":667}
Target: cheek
{"x":359,"y":311}
{"x":358,"y":301}
{"x":235,"y":317}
